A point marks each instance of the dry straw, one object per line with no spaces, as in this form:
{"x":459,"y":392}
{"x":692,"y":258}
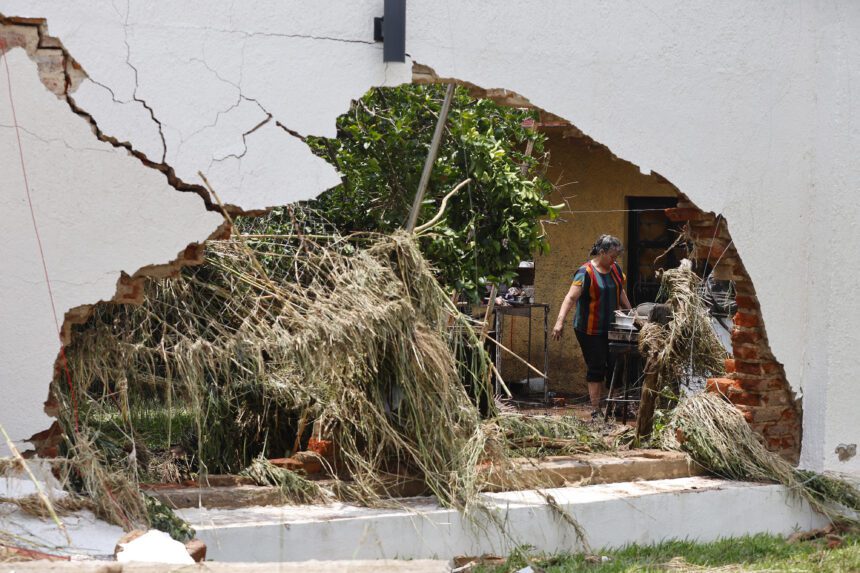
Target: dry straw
{"x":273,"y":330}
{"x":686,"y":346}
{"x":705,"y":425}
{"x":715,"y":434}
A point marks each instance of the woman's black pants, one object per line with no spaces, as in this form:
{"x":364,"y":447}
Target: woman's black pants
{"x":598,"y":361}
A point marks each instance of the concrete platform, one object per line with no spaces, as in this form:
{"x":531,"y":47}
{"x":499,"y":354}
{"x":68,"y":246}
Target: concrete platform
{"x":612,"y":515}
{"x":417,"y":566}
{"x":555,"y":471}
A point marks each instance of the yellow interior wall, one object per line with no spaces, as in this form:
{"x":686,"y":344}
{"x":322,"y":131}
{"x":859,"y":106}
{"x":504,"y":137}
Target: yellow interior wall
{"x":589,"y":178}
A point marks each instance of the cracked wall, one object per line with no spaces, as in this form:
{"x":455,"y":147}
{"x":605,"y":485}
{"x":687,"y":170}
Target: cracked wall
{"x":99,"y":212}
{"x":746,"y":108}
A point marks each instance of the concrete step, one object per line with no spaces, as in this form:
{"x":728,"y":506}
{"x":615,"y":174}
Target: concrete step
{"x":611,"y":515}
{"x":389,"y":566}
{"x":555,"y":471}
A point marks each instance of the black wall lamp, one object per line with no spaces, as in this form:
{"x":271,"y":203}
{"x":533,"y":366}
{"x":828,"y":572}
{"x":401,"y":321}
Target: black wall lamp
{"x":390,"y":29}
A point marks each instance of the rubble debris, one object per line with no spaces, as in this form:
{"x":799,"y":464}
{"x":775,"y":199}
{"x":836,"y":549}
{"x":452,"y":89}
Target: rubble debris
{"x":154,"y":547}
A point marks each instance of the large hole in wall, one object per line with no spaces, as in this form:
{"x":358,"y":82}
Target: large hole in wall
{"x":606,"y":194}
{"x":600,"y":193}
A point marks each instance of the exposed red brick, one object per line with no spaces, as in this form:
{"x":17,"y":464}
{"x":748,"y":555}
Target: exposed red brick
{"x":770,"y":367}
{"x":710,"y":252}
{"x":746,"y":336}
{"x":746,"y":319}
{"x":776,"y":430}
{"x":46,"y":443}
{"x":729,"y":365}
{"x":720,"y":385}
{"x":745,"y":352}
{"x":51,"y":406}
{"x":680,"y":214}
{"x":745,"y":367}
{"x":723,"y":272}
{"x":770,"y":414}
{"x":747,"y":411}
{"x":48,"y":452}
{"x":754,"y":383}
{"x":787,"y":443}
{"x":778,"y":397}
{"x":789,"y":414}
{"x":745,"y":398}
{"x":747,"y":302}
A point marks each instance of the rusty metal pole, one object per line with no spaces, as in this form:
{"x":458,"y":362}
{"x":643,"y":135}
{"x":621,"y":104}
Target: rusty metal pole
{"x":431,"y":159}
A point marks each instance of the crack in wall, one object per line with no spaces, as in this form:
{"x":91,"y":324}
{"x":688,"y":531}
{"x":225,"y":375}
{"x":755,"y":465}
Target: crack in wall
{"x":244,"y":143}
{"x":246,"y":34}
{"x":73,"y":75}
{"x":137,"y":84}
{"x":52,"y":140}
{"x":60,"y":74}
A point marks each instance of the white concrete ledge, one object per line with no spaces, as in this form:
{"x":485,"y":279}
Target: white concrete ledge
{"x":612,"y":515}
{"x":417,"y":566}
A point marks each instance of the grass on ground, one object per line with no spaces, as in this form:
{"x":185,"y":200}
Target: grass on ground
{"x":831,"y":553}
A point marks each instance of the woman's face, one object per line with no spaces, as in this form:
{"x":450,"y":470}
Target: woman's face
{"x":613,"y":254}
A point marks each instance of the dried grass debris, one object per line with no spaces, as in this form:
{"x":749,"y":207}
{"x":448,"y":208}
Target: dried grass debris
{"x":717,"y":437}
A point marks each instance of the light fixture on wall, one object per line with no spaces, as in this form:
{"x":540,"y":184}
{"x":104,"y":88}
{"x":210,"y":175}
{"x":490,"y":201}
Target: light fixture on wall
{"x":390,"y":29}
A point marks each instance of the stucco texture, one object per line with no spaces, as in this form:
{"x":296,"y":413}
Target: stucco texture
{"x":750,"y":109}
{"x":99,"y":212}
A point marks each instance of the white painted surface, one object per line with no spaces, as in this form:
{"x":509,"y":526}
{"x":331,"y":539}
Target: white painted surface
{"x":211,"y":72}
{"x":832,"y":400}
{"x":99,"y":211}
{"x":749,"y":108}
{"x":612,"y":515}
{"x":89,"y":535}
{"x":154,"y":547}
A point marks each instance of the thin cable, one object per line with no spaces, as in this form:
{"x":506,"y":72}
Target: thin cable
{"x":63,"y":359}
{"x":615,"y":211}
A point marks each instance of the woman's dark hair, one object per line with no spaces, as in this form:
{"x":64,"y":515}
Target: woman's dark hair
{"x":604,"y":244}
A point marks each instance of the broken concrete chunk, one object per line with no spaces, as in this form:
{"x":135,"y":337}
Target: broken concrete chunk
{"x":154,"y":547}
{"x":846,"y":451}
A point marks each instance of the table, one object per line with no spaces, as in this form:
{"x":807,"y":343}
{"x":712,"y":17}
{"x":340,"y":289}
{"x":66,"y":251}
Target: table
{"x":525,"y":309}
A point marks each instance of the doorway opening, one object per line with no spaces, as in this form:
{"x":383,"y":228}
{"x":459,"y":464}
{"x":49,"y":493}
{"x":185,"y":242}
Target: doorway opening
{"x":651,"y":236}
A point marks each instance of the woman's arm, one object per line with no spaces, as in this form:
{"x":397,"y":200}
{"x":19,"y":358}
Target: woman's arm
{"x":569,"y":301}
{"x":625,"y":302}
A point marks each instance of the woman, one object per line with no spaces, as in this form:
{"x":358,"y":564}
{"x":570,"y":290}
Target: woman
{"x":597,"y":291}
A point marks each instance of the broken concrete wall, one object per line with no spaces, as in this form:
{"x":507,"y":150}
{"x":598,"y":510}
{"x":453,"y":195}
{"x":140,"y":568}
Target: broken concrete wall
{"x":746,"y":108}
{"x":99,"y":212}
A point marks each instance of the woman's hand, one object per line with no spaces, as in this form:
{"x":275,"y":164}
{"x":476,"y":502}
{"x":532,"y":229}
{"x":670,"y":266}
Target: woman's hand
{"x":557,"y":330}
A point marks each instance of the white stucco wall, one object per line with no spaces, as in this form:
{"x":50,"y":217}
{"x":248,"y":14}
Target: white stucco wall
{"x":99,"y":212}
{"x":746,"y":107}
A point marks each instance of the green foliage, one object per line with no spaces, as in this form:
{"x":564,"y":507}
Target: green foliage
{"x":164,"y":519}
{"x":489,"y":226}
{"x":295,"y":488}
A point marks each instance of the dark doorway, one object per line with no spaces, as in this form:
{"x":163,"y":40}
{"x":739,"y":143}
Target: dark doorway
{"x":649,"y":235}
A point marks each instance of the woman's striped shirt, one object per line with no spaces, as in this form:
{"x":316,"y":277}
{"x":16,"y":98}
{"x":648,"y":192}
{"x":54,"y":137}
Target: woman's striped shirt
{"x":601,"y":295}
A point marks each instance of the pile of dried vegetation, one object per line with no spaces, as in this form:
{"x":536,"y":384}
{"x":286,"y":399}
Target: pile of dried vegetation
{"x":715,"y":434}
{"x":686,"y":346}
{"x":233,"y":361}
{"x":706,"y":425}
